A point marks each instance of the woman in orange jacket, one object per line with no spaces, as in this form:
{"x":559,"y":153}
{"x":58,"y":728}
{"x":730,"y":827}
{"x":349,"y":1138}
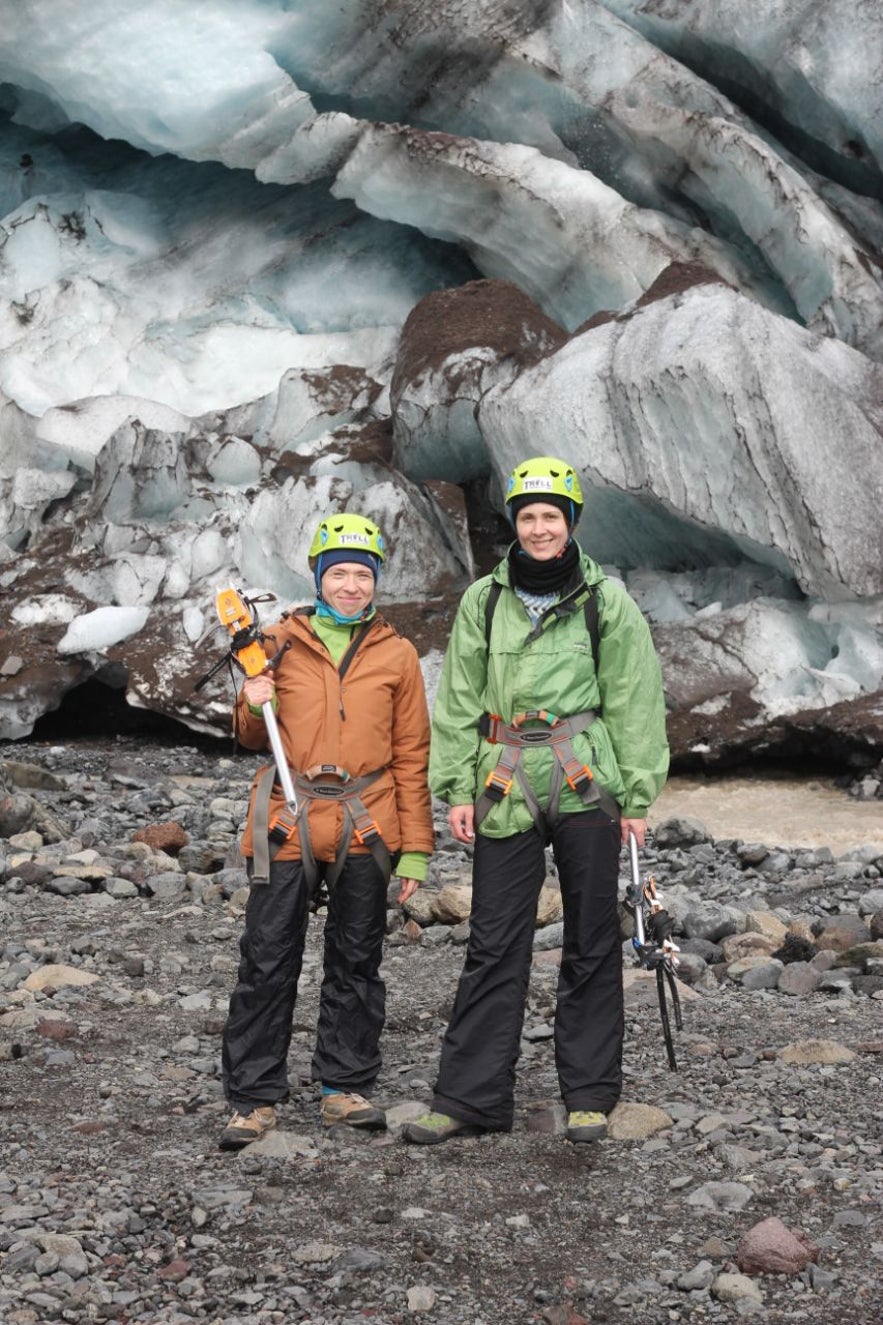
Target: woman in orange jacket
{"x":351,"y":713}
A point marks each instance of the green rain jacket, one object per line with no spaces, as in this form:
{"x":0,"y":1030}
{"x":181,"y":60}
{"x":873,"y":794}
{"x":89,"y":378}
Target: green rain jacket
{"x":626,"y":748}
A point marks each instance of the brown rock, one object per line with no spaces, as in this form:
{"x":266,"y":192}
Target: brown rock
{"x":168,"y":837}
{"x":56,"y":976}
{"x":803,"y":1053}
{"x":452,"y":904}
{"x":843,"y":932}
{"x":549,"y":907}
{"x":772,"y":1248}
{"x":53,"y":1028}
{"x":175,"y":1271}
{"x":492,"y":314}
{"x":749,"y":944}
{"x":636,"y":1122}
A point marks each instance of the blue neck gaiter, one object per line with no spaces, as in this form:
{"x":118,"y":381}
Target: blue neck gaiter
{"x":330,"y":614}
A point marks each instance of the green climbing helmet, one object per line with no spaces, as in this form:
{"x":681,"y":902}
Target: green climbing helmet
{"x":544,"y":477}
{"x":347,"y":533}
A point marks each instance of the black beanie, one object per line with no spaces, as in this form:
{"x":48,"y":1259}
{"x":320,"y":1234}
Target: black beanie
{"x":566,"y":505}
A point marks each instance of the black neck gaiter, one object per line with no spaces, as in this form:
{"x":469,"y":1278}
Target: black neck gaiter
{"x":555,"y":576}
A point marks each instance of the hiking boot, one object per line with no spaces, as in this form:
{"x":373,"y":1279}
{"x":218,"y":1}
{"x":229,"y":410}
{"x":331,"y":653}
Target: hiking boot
{"x":243,"y":1128}
{"x":586,"y":1126}
{"x":354,"y":1110}
{"x":432,"y":1128}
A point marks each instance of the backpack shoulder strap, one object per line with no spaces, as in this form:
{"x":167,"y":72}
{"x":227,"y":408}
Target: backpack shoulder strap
{"x":490,"y":606}
{"x":590,"y":611}
{"x":593,"y":622}
{"x":343,"y":665}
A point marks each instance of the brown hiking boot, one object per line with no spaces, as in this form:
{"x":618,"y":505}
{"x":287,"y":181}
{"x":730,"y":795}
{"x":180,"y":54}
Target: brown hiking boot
{"x":354,"y":1110}
{"x":243,"y":1128}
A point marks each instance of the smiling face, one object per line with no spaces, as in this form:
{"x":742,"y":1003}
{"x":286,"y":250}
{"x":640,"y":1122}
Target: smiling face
{"x":542,"y":530}
{"x":348,"y":587}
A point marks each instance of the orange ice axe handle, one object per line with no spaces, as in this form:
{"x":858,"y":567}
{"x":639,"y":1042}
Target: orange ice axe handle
{"x":246,"y":647}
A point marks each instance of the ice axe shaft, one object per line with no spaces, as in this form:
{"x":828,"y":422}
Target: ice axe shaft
{"x":247,"y":651}
{"x":282,"y":769}
{"x":636,"y":891}
{"x":660,"y":953}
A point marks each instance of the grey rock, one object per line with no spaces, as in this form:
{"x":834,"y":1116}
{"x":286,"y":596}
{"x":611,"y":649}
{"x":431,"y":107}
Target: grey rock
{"x":66,"y":886}
{"x":359,"y":1260}
{"x":549,"y":938}
{"x":680,"y":832}
{"x":711,"y":921}
{"x":799,"y":978}
{"x":700,"y":1277}
{"x":721,"y":1197}
{"x":166,"y":886}
{"x":763,"y":976}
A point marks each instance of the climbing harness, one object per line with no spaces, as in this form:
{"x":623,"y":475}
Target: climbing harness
{"x":322,"y":782}
{"x":653,"y":945}
{"x":239,"y":615}
{"x":555,"y":733}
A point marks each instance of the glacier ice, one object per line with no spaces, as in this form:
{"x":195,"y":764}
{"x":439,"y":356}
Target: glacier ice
{"x":100,"y":628}
{"x":703,"y":410}
{"x":191,"y":285}
{"x":240,"y":251}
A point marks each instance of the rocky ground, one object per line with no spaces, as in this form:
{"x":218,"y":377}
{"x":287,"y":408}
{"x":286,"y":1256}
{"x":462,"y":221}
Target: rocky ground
{"x":748,"y":1182}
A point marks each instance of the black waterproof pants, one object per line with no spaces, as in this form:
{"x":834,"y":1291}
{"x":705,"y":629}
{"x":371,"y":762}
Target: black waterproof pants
{"x":353,"y":998}
{"x":476,"y":1080}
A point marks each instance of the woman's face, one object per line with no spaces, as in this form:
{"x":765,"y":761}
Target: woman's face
{"x":348,"y":587}
{"x":542,"y":530}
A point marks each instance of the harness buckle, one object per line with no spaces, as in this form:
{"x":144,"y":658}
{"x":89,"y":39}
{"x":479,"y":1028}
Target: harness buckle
{"x":490,"y":726}
{"x":496,"y":786}
{"x":281,"y":829}
{"x":578,"y":776}
{"x":365,"y":831}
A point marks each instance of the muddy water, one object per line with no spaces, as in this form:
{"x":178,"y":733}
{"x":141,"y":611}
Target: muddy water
{"x":787,"y":811}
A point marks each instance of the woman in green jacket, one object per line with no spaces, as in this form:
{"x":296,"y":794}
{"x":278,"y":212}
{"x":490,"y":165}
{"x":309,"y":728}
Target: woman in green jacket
{"x":549,"y":728}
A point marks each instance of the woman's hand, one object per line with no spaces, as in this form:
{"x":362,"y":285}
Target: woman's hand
{"x":636,"y":826}
{"x":259,"y":690}
{"x":408,"y":889}
{"x":461,"y":820}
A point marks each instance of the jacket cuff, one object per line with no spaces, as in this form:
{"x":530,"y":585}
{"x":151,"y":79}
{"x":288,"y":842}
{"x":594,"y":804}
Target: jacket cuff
{"x":413,"y":865}
{"x":257,"y":710}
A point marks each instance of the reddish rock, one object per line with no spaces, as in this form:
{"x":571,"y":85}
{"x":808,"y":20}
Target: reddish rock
{"x":772,"y":1248}
{"x":175,"y":1271}
{"x":562,"y":1313}
{"x":843,"y":932}
{"x":168,"y":837}
{"x":53,"y":1029}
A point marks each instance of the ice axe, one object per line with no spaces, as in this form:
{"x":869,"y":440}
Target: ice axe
{"x":653,"y":945}
{"x":239,"y":615}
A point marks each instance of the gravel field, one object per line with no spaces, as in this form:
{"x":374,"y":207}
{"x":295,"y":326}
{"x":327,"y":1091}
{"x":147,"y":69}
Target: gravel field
{"x":747,"y":1183}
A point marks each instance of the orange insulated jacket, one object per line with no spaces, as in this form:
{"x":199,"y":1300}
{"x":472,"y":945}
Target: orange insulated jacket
{"x":374,"y":717}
